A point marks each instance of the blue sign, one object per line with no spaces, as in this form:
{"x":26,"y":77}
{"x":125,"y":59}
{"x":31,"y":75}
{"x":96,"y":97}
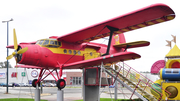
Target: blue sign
{"x":2,"y":75}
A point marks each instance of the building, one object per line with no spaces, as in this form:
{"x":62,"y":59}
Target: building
{"x":22,"y":75}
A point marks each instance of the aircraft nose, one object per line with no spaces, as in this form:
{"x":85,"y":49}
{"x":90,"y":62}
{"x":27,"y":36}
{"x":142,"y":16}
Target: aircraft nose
{"x":31,"y":56}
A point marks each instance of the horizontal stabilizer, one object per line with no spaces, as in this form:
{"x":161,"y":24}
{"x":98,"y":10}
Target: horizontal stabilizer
{"x":133,"y":44}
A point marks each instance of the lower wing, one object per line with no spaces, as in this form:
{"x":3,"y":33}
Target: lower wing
{"x":122,"y":56}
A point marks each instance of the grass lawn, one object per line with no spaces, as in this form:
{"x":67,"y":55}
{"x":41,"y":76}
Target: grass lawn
{"x":20,"y":99}
{"x":109,"y":99}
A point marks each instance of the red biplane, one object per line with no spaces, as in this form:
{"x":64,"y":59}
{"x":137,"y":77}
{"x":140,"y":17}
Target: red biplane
{"x":75,"y":51}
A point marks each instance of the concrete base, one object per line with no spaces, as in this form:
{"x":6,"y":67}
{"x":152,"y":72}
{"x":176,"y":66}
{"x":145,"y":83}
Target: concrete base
{"x":37,"y":95}
{"x":91,"y":93}
{"x":60,"y":95}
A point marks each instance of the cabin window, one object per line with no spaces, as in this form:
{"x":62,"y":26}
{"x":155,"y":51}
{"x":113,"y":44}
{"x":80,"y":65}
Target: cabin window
{"x":65,"y":51}
{"x":79,"y":53}
{"x":70,"y":51}
{"x":74,"y":52}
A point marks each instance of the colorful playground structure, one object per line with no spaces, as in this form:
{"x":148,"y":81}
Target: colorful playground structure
{"x":166,"y":88}
{"x":169,"y":72}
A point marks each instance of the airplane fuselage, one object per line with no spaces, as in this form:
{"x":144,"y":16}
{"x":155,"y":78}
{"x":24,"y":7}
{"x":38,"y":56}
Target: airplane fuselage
{"x":47,"y":55}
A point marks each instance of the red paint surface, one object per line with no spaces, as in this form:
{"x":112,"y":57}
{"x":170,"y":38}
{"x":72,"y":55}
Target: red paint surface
{"x":175,"y":65}
{"x":157,"y":66}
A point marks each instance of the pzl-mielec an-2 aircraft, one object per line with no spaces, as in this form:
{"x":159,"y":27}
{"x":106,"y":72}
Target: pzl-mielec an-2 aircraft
{"x":75,"y":51}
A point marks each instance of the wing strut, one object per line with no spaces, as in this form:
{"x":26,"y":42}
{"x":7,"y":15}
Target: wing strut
{"x":127,"y":47}
{"x":112,"y":29}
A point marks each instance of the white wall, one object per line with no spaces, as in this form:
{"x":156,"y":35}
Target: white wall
{"x":19,"y":78}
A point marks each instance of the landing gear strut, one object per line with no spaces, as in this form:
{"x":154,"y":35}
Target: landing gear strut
{"x":60,"y":83}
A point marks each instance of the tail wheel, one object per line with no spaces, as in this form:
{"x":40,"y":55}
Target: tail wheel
{"x":61,"y":83}
{"x":35,"y":82}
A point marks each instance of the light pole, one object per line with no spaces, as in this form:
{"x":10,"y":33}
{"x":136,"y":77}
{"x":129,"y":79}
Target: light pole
{"x":7,"y":50}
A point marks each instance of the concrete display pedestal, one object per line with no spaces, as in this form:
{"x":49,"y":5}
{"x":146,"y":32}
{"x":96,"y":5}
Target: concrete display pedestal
{"x":37,"y":94}
{"x":91,"y":89}
{"x":60,"y":95}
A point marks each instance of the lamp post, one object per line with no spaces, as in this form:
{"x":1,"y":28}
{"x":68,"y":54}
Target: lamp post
{"x":7,"y":50}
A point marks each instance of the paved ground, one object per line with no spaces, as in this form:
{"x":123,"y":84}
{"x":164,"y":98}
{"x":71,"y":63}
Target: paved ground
{"x":50,"y":93}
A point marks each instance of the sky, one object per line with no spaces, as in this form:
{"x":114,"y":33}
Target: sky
{"x":39,"y":19}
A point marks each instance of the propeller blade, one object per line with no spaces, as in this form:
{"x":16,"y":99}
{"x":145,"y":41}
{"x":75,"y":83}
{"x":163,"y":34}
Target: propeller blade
{"x":22,"y":50}
{"x":15,"y":40}
{"x":9,"y":57}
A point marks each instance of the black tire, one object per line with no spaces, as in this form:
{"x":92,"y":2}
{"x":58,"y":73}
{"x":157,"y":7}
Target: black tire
{"x":34,"y":82}
{"x":61,"y":83}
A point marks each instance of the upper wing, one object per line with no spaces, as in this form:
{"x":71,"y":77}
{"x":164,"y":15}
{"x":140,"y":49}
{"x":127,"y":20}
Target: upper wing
{"x":122,"y":56}
{"x":147,"y":16}
{"x":133,"y":44}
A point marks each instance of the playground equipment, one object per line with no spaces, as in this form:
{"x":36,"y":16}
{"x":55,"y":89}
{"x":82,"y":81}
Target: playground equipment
{"x":166,"y":88}
{"x":135,"y":82}
{"x":170,"y":75}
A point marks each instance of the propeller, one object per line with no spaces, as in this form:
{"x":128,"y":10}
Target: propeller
{"x":16,"y":51}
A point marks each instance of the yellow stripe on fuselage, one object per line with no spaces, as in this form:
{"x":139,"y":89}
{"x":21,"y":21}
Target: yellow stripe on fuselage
{"x":66,"y":51}
{"x":74,"y":52}
{"x":88,"y":53}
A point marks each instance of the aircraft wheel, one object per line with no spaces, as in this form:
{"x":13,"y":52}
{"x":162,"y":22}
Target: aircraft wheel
{"x":61,"y":83}
{"x":34,"y":83}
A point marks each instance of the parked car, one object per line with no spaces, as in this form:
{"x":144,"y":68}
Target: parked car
{"x":2,"y":84}
{"x":112,"y":86}
{"x":23,"y":84}
{"x":11,"y":84}
{"x":16,"y":85}
{"x":49,"y":84}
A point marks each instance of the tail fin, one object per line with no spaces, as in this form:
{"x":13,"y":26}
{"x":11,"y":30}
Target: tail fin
{"x":118,"y":39}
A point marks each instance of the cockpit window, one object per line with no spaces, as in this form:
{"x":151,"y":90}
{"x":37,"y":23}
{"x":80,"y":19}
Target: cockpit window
{"x":59,"y":43}
{"x":40,"y":42}
{"x":46,"y":42}
{"x":56,"y":43}
{"x":49,"y":43}
{"x":37,"y":42}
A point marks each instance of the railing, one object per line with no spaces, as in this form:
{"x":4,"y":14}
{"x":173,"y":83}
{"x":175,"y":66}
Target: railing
{"x":141,"y":84}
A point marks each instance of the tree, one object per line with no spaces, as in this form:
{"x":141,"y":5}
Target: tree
{"x":4,"y":64}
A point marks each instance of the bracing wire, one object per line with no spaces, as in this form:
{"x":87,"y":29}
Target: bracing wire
{"x":28,"y":83}
{"x":20,"y":89}
{"x":108,"y":86}
{"x":21,"y":85}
